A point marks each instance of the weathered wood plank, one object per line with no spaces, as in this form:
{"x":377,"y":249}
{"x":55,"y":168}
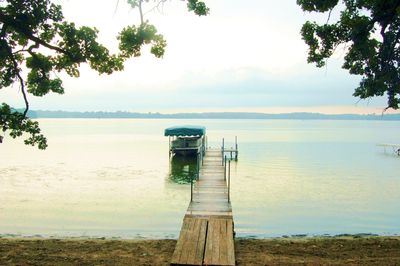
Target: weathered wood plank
{"x":219,"y":245}
{"x":176,"y":257}
{"x":187,"y":241}
{"x":215,"y":238}
{"x":209,"y":245}
{"x":201,"y":243}
{"x":230,"y":243}
{"x":191,"y":243}
{"x":223,"y":254}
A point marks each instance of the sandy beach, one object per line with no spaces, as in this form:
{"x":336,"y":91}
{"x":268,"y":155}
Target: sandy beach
{"x":351,"y":250}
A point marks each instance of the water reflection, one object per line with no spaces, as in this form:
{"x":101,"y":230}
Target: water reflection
{"x":182,"y":169}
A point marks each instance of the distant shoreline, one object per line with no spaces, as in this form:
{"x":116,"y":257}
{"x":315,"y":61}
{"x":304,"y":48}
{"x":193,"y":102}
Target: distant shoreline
{"x":175,"y":237}
{"x":212,"y":115}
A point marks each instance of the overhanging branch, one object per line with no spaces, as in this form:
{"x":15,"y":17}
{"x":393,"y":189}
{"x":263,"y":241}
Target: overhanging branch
{"x":21,"y":80}
{"x":11,"y":22}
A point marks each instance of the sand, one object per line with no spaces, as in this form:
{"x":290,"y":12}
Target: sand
{"x":291,"y":251}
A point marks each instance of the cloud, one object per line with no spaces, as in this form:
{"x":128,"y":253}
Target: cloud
{"x":243,"y":55}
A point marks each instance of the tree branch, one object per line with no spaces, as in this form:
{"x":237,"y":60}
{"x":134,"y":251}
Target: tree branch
{"x":7,"y":20}
{"x":3,"y":31}
{"x":21,"y":80}
{"x":45,"y":44}
{"x":329,"y":15}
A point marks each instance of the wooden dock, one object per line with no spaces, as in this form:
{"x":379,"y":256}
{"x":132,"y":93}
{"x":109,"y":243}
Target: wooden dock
{"x":395,"y":147}
{"x":206,"y":237}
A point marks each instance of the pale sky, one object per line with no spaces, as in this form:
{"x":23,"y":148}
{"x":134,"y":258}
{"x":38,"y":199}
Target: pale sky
{"x":245,"y":56}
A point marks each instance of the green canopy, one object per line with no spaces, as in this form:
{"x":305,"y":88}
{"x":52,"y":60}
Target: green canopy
{"x":185,"y":131}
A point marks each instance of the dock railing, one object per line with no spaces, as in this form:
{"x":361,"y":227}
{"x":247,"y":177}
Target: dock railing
{"x":233,"y":150}
{"x":226,"y":163}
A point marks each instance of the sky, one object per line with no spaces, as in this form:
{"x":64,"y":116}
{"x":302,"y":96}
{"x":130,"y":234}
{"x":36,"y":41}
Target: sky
{"x":245,"y":56}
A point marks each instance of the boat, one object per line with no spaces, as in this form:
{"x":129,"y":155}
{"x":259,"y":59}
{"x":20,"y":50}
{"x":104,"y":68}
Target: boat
{"x":187,"y":140}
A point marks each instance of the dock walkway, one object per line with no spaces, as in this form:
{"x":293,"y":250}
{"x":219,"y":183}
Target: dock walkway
{"x":206,"y":237}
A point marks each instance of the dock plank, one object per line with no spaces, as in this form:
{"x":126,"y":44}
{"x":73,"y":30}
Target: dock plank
{"x":223,"y":255}
{"x":219,"y":245}
{"x":230,"y":243}
{"x":176,"y":257}
{"x":191,"y":243}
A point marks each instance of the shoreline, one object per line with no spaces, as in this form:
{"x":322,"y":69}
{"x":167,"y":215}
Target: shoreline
{"x":173,"y":237}
{"x":366,"y":250}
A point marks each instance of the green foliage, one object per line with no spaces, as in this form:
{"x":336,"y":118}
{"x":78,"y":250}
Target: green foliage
{"x":370,"y":29}
{"x":132,"y":38}
{"x":198,"y":7}
{"x":319,"y":6}
{"x":35,"y":34}
{"x":17,"y":124}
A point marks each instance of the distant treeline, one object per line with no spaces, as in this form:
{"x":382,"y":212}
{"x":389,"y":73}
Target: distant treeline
{"x":223,"y":115}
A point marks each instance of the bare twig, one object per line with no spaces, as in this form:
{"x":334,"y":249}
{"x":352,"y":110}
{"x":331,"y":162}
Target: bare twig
{"x":157,"y":6}
{"x":116,"y":7}
{"x":141,"y":12}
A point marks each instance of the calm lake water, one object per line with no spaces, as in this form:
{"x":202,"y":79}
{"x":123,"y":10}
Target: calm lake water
{"x":113,"y":178}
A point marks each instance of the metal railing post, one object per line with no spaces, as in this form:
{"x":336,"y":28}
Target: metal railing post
{"x":225,"y":169}
{"x":222,"y":150}
{"x":191,"y":189}
{"x":229,"y":182}
{"x":169,"y":146}
{"x":236,"y":149}
{"x":198,"y":166}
